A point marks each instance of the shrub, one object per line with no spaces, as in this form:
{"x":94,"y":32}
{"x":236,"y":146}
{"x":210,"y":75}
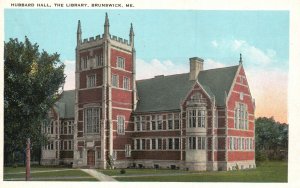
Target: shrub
{"x":261,"y":155}
{"x":122,"y":171}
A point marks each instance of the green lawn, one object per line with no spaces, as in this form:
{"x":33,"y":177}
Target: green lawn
{"x":265,"y":172}
{"x":116,"y":172}
{"x":274,"y":171}
{"x":40,"y":174}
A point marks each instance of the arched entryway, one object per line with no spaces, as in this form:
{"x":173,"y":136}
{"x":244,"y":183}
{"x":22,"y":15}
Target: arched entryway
{"x":91,"y":158}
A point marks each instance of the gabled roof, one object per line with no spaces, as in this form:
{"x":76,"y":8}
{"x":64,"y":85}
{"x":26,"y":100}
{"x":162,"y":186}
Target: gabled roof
{"x":65,"y":105}
{"x":164,"y":93}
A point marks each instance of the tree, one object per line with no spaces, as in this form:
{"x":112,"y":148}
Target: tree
{"x":32,"y":82}
{"x":271,"y":138}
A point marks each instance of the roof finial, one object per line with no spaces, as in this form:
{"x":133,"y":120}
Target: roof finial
{"x":131,"y":35}
{"x":106,"y":25}
{"x":241,"y":59}
{"x":79,"y":32}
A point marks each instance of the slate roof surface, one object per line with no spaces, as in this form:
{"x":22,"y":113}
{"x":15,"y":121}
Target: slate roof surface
{"x":164,"y":93}
{"x":66,"y":104}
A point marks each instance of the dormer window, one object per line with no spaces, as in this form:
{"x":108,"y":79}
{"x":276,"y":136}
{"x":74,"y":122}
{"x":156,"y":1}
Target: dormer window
{"x":121,"y":63}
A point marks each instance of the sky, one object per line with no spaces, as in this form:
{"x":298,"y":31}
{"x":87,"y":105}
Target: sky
{"x":166,"y":39}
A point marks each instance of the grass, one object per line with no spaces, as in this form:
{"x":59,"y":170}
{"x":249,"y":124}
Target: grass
{"x":116,"y":172}
{"x":272,"y":171}
{"x":37,"y":175}
{"x":266,"y":172}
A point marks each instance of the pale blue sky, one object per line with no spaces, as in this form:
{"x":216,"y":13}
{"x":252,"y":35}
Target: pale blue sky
{"x":166,"y":39}
{"x":173,"y":35}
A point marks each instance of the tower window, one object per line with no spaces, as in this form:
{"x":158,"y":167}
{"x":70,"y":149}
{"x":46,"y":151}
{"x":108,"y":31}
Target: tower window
{"x":126,"y":83}
{"x":91,"y":81}
{"x":100,"y":60}
{"x":84,"y":62}
{"x":115,"y":80}
{"x":121,"y":63}
{"x":91,"y":120}
{"x":121,"y":124}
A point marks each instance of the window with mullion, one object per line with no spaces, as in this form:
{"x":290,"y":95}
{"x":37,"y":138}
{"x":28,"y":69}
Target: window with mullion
{"x":92,"y":118}
{"x":121,"y":124}
{"x":201,"y":118}
{"x":170,"y":121}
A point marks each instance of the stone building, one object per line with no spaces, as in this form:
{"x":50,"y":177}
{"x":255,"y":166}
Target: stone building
{"x":201,"y":120}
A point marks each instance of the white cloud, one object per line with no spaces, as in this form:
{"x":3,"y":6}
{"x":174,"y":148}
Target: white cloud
{"x":70,"y":73}
{"x":212,"y":64}
{"x":156,"y":67}
{"x":214,"y":43}
{"x":251,"y":54}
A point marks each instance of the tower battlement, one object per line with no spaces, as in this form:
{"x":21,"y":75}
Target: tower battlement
{"x":92,"y":39}
{"x":119,"y":39}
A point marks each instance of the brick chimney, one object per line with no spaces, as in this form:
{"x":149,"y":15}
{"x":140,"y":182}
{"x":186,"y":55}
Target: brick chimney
{"x":196,"y":65}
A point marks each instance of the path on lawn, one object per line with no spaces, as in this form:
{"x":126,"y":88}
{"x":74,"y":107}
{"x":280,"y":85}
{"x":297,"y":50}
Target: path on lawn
{"x":98,"y":175}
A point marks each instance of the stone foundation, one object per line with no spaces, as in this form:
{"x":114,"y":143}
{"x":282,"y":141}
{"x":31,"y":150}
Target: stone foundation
{"x":240,"y":165}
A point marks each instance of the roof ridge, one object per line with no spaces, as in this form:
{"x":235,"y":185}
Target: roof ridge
{"x":163,"y":76}
{"x":221,"y":68}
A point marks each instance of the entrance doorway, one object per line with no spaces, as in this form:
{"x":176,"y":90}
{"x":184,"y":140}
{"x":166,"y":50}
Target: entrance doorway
{"x":91,"y":158}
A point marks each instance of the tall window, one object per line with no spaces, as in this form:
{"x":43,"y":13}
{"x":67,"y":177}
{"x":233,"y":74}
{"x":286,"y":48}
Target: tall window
{"x":137,"y":144}
{"x":137,"y":123}
{"x":153,"y":143}
{"x":192,"y":118}
{"x":159,"y":122}
{"x":170,"y":121}
{"x":176,"y":121}
{"x":126,"y":83}
{"x":127,"y":150}
{"x":241,"y":117}
{"x":91,"y":119}
{"x":100,"y":60}
{"x":84,"y":62}
{"x":159,"y":143}
{"x":91,"y":80}
{"x":121,"y":125}
{"x":153,"y":122}
{"x":192,"y":143}
{"x":121,"y":63}
{"x":143,"y":147}
{"x":201,"y":143}
{"x":115,"y":80}
{"x":170,"y":143}
{"x":197,"y":118}
{"x":176,"y":143}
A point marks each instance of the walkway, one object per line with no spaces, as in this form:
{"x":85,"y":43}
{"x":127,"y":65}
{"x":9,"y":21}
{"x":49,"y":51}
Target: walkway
{"x":98,"y":175}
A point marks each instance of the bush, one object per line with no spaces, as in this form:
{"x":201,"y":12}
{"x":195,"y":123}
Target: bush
{"x":122,"y":171}
{"x":261,"y":155}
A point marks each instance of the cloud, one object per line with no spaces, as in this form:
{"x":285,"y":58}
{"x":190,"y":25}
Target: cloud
{"x":212,"y":64}
{"x":254,"y":56}
{"x":214,"y":43}
{"x":146,"y":69}
{"x":70,"y":73}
